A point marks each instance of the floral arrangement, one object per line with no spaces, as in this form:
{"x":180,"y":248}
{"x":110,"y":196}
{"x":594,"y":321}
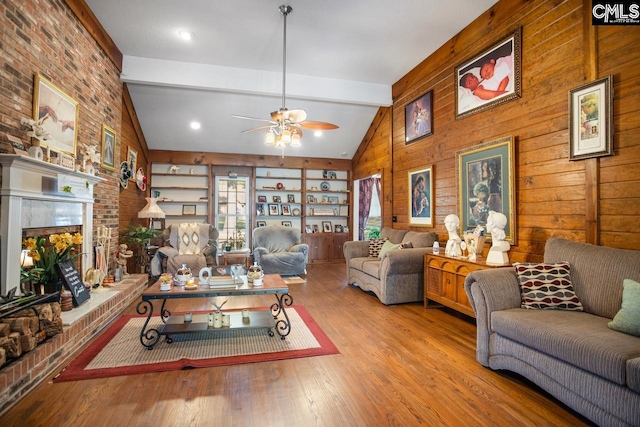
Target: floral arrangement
{"x":89,"y":153}
{"x":45,"y":257}
{"x":37,"y":128}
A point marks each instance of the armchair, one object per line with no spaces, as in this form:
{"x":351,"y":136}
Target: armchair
{"x":193,"y":244}
{"x":277,"y":249}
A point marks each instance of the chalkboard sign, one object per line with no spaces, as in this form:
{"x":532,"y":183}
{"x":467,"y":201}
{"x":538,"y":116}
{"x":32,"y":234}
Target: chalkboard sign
{"x":72,"y":281}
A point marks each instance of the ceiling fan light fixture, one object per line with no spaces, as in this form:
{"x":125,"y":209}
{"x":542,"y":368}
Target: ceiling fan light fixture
{"x":286,"y":136}
{"x":279,"y":142}
{"x":270,"y":138}
{"x":295,"y":140}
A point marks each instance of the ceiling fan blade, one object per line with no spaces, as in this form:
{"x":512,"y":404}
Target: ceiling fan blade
{"x":252,"y":118}
{"x":258,"y":128}
{"x":318,"y":125}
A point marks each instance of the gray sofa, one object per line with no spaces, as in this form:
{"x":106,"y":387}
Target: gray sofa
{"x":573,"y":355}
{"x":397,"y":277}
{"x":277,"y":249}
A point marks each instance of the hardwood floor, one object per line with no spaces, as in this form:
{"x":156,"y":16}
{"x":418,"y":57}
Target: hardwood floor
{"x":399,"y":366}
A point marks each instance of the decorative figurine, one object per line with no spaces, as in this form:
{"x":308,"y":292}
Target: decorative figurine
{"x":123,"y":255}
{"x":496,"y":222}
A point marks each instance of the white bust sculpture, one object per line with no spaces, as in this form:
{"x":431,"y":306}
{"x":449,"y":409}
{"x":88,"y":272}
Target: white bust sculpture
{"x":452,"y":223}
{"x":496,"y":222}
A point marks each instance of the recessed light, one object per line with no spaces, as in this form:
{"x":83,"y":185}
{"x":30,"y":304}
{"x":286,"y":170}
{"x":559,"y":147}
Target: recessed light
{"x":317,"y":133}
{"x":195,"y":125}
{"x":186,"y":35}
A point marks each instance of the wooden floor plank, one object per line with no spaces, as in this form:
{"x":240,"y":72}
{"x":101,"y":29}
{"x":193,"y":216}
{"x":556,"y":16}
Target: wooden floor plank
{"x":398,"y":365}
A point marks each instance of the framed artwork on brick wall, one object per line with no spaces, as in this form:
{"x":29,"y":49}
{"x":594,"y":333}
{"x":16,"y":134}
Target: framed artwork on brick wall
{"x":108,"y":157}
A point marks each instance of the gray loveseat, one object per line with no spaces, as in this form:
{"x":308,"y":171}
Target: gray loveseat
{"x":396,"y":278}
{"x":573,"y":355}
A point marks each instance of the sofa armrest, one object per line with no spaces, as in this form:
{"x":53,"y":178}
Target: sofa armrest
{"x":488,"y":291}
{"x":404,"y":261}
{"x":300,"y":247}
{"x":210,"y":252}
{"x":258,"y":252}
{"x":355,"y":249}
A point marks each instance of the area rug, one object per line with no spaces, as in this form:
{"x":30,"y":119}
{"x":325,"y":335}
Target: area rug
{"x":293,"y":280}
{"x":118,"y":350}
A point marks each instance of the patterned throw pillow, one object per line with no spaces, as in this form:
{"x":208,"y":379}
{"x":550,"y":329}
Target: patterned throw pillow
{"x":189,"y":239}
{"x":375,"y":245}
{"x":547,"y":286}
{"x":406,"y":245}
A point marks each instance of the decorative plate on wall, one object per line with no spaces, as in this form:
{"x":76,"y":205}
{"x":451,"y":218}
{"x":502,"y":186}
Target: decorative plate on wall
{"x":125,"y":174}
{"x":295,"y":212}
{"x":325,"y":186}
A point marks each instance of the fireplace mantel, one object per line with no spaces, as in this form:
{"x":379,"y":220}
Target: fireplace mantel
{"x":30,"y":196}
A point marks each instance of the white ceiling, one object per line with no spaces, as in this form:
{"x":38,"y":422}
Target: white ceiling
{"x":342,"y":58}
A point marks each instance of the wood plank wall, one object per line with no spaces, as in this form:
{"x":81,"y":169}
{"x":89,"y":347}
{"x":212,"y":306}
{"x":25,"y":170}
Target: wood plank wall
{"x":554,"y":197}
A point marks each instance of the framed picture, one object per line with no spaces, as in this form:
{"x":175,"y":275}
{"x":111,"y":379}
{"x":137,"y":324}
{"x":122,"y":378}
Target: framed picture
{"x":286,"y":223}
{"x":132,"y":159}
{"x":262,"y":199}
{"x":316,"y":229}
{"x":490,"y":78}
{"x":277,"y":199}
{"x":188,"y":210}
{"x":286,"y":209}
{"x":108,"y":154}
{"x":156,"y":224}
{"x":273,"y":209}
{"x":260,"y":209}
{"x":307,"y":228}
{"x":58,"y":114}
{"x":262,"y":223}
{"x":486,"y":182}
{"x":337,"y":228}
{"x":418,"y":118}
{"x":421,"y":196}
{"x":326,"y":226}
{"x":291,"y":198}
{"x":311,"y":199}
{"x":591,"y":120}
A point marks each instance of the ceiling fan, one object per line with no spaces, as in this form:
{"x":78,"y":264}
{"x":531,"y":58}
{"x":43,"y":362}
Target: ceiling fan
{"x":285,"y":126}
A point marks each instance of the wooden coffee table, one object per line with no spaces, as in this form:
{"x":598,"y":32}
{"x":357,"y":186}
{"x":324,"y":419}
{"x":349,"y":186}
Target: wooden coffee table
{"x":172,"y":325}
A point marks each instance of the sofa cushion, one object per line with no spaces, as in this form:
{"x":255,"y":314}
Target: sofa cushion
{"x":375,"y":245}
{"x":358,"y":263}
{"x":372,"y":268}
{"x":546,"y":286}
{"x":386,"y":247}
{"x":420,"y":240}
{"x":633,"y":374}
{"x":579,"y":338}
{"x":628,"y":318}
{"x":395,"y":236}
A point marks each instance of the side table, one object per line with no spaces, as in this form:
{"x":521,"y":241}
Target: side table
{"x":444,"y":280}
{"x":237,"y":257}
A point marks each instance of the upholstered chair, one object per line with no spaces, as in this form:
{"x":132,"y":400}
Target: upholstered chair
{"x":278,"y":250}
{"x":193,"y":244}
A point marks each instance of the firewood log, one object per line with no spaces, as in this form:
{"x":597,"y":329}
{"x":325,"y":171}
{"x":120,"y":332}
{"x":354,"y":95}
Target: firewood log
{"x":12,"y":345}
{"x":21,"y":325}
{"x":28,"y":342}
{"x":5,"y":329}
{"x":44,"y":311}
{"x":3,"y":356}
{"x":52,"y":328}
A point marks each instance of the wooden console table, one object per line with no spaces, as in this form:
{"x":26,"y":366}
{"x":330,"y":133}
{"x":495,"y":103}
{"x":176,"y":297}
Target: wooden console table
{"x":444,"y":280}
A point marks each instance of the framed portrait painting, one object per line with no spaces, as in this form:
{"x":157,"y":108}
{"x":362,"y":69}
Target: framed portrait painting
{"x":108,"y":155}
{"x":132,"y":160}
{"x":490,"y":78}
{"x":591,"y":120}
{"x":486,"y":182}
{"x":418,"y":118}
{"x":421,"y":196}
{"x":58,"y":114}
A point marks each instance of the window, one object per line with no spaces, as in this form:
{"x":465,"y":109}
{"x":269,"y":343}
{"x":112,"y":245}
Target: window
{"x":232,"y":212}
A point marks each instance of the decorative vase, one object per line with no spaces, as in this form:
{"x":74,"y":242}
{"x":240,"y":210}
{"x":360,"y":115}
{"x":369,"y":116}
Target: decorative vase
{"x":35,"y":152}
{"x":89,"y":169}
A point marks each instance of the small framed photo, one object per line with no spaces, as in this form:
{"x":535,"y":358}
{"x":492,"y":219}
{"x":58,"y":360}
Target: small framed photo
{"x":188,"y":210}
{"x":156,"y":224}
{"x":291,"y":198}
{"x":311,"y":199}
{"x":132,"y":159}
{"x":262,"y":223}
{"x":334,"y":200}
{"x":418,"y":118}
{"x":108,"y":157}
{"x":316,"y":229}
{"x":591,"y":120}
{"x":273,"y":209}
{"x":337,"y":228}
{"x":262,"y":199}
{"x":326,"y":174}
{"x":326,"y":226}
{"x":307,"y":229}
{"x":260,"y":209}
{"x":286,"y":223}
{"x":286,"y":210}
{"x":277,"y":199}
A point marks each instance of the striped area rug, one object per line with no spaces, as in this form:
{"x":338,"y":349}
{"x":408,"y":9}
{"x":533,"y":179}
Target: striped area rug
{"x":118,"y":350}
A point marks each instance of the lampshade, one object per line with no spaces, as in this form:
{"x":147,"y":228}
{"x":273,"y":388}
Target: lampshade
{"x":295,"y":139}
{"x":151,"y":210}
{"x":270,"y":138}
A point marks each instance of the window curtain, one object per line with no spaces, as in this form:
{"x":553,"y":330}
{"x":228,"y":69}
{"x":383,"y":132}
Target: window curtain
{"x":364,"y":202}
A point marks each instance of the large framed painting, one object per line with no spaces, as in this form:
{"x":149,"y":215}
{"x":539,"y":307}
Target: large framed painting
{"x":418,"y":118}
{"x":486,"y":182}
{"x":491,"y":77}
{"x":421,"y":196}
{"x":591,"y":120}
{"x":108,"y":148}
{"x":58,"y":113}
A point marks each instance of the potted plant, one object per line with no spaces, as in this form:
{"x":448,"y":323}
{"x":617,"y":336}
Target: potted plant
{"x":139,"y":235}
